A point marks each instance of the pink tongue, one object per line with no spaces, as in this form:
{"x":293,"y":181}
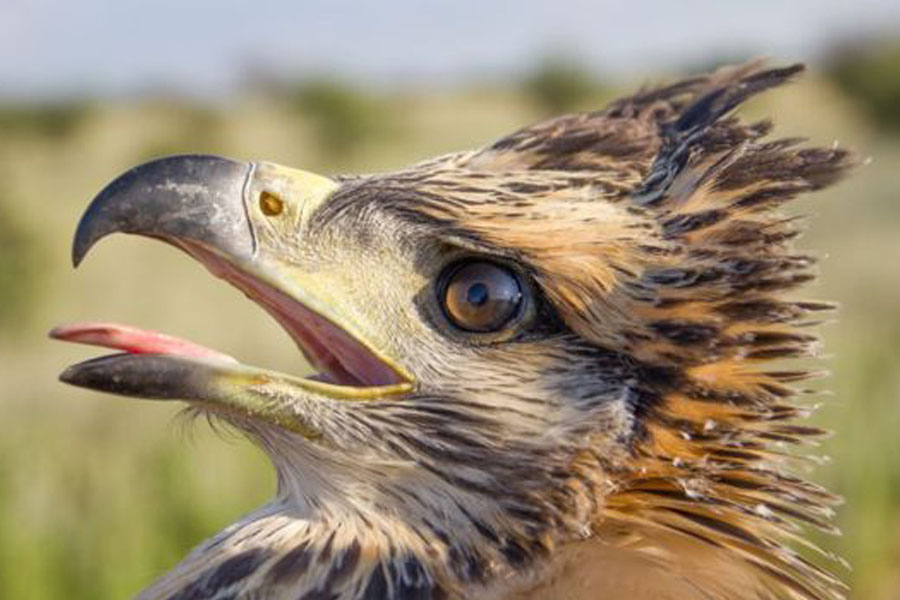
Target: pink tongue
{"x":132,"y":340}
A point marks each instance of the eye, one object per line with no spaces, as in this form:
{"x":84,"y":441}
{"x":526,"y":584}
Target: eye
{"x":480,"y":296}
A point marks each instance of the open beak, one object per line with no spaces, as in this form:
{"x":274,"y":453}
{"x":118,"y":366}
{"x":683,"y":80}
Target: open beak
{"x":206,"y":206}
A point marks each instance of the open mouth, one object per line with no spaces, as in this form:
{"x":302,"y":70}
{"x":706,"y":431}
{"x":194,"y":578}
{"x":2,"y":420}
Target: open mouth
{"x":345,"y":366}
{"x":202,"y":205}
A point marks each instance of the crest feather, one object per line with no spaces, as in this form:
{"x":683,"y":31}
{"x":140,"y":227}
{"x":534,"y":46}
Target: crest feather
{"x":713,"y":310}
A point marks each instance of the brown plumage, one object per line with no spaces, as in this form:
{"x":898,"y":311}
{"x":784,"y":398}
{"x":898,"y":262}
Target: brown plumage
{"x":631,"y":434}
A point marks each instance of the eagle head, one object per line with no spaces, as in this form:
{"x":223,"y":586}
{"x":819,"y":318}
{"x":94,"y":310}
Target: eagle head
{"x":542,"y":368}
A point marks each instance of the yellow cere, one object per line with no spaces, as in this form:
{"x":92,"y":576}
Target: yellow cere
{"x":294,"y":191}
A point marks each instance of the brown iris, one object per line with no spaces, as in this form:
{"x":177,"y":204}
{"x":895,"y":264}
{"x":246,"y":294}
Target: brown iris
{"x":481,"y":296}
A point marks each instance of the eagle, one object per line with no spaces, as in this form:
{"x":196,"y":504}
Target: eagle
{"x":553,"y":368}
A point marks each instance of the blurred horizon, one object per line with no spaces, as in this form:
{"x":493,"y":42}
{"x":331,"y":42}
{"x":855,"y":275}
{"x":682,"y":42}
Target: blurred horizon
{"x":208,"y":49}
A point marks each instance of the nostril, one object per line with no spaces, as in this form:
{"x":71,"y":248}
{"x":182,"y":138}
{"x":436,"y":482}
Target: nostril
{"x":270,"y":204}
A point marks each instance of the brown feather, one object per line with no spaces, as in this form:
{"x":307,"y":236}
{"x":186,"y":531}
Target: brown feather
{"x":652,"y":228}
{"x":632,"y":433}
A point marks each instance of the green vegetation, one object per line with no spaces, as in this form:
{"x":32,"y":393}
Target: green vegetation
{"x":21,"y":257}
{"x":195,"y":129}
{"x":98,"y":494}
{"x":55,"y":121}
{"x":344,"y":117}
{"x":559,"y":84}
{"x":870,"y":74}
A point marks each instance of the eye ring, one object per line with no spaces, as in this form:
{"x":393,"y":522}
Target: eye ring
{"x":480,"y":296}
{"x":270,"y":204}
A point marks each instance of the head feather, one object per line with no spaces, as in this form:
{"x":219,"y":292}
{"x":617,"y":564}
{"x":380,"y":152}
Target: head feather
{"x":653,"y":229}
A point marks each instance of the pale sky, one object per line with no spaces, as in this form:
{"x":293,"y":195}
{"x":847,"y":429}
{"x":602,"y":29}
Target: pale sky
{"x":97,"y":47}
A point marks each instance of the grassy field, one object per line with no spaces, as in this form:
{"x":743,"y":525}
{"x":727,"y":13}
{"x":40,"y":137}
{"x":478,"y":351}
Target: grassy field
{"x":100,"y":494}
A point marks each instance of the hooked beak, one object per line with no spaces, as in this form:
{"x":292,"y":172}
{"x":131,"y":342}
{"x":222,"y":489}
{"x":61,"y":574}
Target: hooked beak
{"x":207,"y":206}
{"x":190,"y":199}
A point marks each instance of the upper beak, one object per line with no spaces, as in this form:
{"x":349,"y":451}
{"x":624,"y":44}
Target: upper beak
{"x":192,"y":198}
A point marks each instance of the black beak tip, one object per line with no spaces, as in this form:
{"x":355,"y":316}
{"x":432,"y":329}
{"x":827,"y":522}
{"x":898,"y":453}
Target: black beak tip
{"x":70,"y":376}
{"x":91,"y":227}
{"x":90,"y":230}
{"x":80,"y":375}
{"x":154,"y":376}
{"x":191,"y":197}
{"x":79,"y":250}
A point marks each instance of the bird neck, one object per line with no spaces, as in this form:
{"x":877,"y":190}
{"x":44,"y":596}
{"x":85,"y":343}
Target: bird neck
{"x":355,"y":558}
{"x":352,"y":532}
{"x":342,"y":556}
{"x":352,"y":528}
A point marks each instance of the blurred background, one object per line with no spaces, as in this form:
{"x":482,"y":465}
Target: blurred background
{"x":99,"y":494}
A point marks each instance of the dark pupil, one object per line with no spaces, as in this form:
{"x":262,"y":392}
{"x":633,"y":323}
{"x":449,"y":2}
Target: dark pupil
{"x":481,"y":296}
{"x":477,"y":294}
